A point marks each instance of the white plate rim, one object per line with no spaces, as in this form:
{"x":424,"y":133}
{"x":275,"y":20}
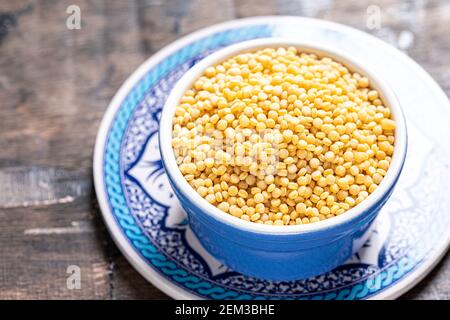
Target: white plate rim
{"x":162,"y":283}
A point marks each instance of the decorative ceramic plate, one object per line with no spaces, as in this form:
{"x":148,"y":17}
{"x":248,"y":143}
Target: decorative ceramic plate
{"x":146,"y":221}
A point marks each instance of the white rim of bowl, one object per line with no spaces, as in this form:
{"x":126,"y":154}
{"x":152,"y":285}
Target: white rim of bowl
{"x":387,"y":95}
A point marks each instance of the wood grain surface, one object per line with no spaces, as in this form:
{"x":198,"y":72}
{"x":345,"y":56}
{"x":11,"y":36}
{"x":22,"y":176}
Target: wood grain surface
{"x":55,"y":85}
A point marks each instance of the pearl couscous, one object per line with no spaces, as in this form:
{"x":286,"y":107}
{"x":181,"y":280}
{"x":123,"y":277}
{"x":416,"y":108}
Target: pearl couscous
{"x":282,"y":137}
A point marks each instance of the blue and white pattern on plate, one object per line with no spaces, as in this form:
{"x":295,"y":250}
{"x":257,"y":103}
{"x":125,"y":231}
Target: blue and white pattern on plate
{"x":149,"y":215}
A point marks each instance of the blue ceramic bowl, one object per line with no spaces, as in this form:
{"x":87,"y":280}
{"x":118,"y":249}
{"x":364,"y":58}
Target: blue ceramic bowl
{"x":280,"y":252}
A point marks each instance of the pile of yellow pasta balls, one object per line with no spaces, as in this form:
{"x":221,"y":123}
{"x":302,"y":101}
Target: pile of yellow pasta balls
{"x":282,"y":137}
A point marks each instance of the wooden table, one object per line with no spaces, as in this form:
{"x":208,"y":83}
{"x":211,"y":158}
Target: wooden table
{"x":55,"y":85}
